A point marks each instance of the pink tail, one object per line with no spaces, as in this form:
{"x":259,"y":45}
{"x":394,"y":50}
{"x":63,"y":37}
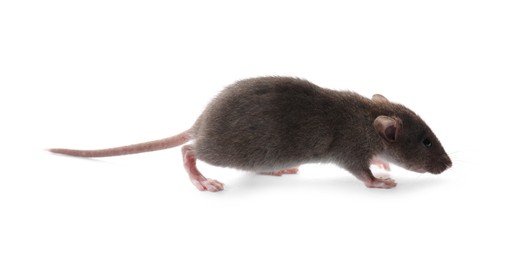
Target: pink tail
{"x":129,"y":149}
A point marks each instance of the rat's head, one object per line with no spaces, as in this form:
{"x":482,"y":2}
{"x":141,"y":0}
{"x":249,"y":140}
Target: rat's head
{"x":408,"y":141}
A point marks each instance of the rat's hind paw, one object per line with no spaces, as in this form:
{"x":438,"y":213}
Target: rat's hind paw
{"x":382,"y":183}
{"x":208,"y":184}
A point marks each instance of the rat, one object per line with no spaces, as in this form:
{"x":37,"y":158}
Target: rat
{"x":275,"y":124}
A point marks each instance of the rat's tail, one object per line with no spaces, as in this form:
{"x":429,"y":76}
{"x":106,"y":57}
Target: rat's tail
{"x":161,"y":144}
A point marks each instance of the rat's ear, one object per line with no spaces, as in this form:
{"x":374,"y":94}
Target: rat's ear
{"x":388,"y":128}
{"x":378,"y":97}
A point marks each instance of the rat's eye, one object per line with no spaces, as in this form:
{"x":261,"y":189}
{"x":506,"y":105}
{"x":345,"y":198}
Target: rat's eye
{"x":427,"y":143}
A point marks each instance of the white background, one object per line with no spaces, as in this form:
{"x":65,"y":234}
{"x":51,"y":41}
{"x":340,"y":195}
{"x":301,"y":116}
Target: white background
{"x":94,"y":74}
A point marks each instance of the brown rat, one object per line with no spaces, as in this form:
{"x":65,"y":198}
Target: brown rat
{"x":274,"y":124}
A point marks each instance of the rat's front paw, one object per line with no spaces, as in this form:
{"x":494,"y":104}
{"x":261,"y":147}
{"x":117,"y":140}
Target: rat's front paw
{"x":382,"y":183}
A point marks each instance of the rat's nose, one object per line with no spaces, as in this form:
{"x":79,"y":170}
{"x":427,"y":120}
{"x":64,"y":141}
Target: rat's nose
{"x":447,"y":161}
{"x":449,"y":165}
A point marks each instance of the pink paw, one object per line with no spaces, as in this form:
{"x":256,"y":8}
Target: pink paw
{"x":279,"y":173}
{"x":208,"y":184}
{"x":382,"y":183}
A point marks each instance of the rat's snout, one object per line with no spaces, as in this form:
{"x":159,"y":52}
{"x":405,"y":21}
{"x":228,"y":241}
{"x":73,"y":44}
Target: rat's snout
{"x":449,"y":165}
{"x":441,"y":165}
{"x":447,"y":161}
